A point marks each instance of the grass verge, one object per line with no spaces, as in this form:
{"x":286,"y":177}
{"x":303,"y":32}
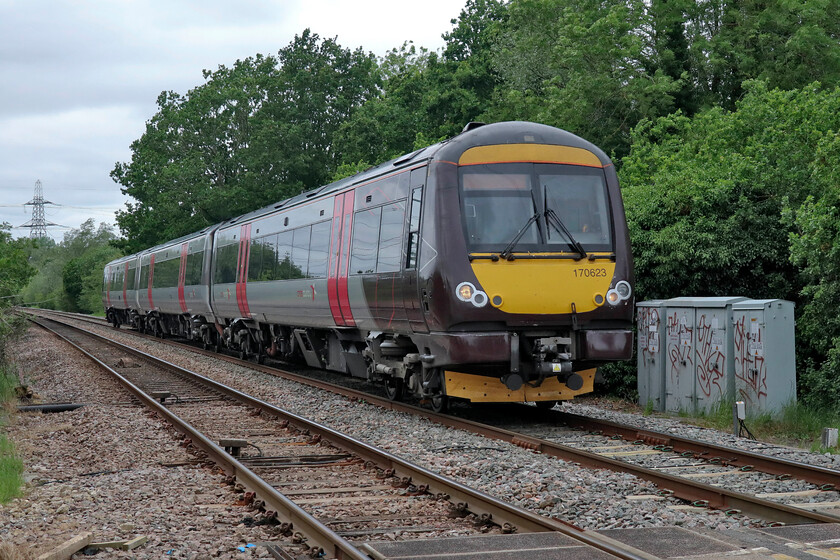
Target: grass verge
{"x":11,"y":467}
{"x":798,"y":424}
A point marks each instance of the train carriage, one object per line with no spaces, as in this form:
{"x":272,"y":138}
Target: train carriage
{"x":494,"y":266}
{"x":120,"y":289}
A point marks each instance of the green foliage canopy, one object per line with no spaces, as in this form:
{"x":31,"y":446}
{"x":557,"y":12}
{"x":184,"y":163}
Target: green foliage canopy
{"x":815,"y":248}
{"x":252,"y":134}
{"x":69,"y":274}
{"x":15,"y":270}
{"x":738,"y":203}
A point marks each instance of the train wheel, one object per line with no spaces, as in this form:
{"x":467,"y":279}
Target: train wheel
{"x":440,"y":403}
{"x":546,"y":405}
{"x":256,"y":352}
{"x":394,"y":388}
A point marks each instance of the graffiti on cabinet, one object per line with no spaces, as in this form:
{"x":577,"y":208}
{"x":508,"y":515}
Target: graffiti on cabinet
{"x":679,"y":343}
{"x":711,"y":357}
{"x":648,"y":328}
{"x":750,"y":370}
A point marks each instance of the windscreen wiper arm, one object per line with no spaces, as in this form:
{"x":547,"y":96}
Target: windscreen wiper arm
{"x":506,"y":252}
{"x":552,"y":217}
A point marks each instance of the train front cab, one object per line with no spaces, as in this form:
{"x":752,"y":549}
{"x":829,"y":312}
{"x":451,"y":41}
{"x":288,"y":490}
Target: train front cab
{"x":530,"y":288}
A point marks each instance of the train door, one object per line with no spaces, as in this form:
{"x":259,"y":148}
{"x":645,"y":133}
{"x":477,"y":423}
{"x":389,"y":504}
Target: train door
{"x":151,"y":281}
{"x":412,"y":297}
{"x":339,"y":263}
{"x":182,"y":272}
{"x":125,"y":287}
{"x":107,"y":289}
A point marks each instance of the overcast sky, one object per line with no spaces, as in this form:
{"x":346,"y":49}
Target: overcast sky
{"x":79,"y":78}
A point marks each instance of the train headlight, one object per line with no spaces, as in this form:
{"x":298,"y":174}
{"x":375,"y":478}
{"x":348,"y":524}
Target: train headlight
{"x":624,"y":290}
{"x":465,"y":291}
{"x":613,"y":298}
{"x":479,"y":299}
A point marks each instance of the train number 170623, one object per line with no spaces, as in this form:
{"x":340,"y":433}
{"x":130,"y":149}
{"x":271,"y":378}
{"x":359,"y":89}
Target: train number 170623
{"x":590,"y":272}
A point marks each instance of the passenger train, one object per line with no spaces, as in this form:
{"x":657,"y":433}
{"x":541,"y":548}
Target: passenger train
{"x":493,"y":266}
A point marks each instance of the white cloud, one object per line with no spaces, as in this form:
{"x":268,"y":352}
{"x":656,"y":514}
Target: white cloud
{"x":79,"y":78}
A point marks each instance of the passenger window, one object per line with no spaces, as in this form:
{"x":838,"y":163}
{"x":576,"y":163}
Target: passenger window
{"x":166,"y":273}
{"x":193,"y":272}
{"x":390,"y":237}
{"x":268,"y":249}
{"x":284,"y":255}
{"x":365,"y":241}
{"x":225,"y":272}
{"x":255,"y":260}
{"x":300,"y":251}
{"x":319,"y":248}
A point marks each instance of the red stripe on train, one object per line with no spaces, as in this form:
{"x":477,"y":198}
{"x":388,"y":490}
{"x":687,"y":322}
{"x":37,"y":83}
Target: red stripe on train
{"x":335,"y":245}
{"x":242,"y":268}
{"x":347,"y":231}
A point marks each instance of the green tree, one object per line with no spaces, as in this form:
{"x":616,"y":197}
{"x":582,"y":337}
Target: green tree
{"x":427,"y":96}
{"x":815,"y":248}
{"x":15,"y":272}
{"x":321,"y":85}
{"x":191,"y":167}
{"x":585,"y":66}
{"x":69,"y":274}
{"x":252,"y":134}
{"x":712,"y":200}
{"x":787,"y":44}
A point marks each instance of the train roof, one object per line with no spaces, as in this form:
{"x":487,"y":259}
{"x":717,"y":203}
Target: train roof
{"x":404,"y":161}
{"x":474,"y":134}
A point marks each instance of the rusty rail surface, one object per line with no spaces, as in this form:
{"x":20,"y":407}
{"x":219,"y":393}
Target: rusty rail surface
{"x":475,"y":501}
{"x":686,"y":489}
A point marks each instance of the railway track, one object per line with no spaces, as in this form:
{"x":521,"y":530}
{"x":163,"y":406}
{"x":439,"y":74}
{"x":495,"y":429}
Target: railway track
{"x":336,"y":496}
{"x":779,"y":490}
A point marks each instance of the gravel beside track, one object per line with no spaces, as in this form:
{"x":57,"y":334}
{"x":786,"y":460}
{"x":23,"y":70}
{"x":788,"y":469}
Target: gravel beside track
{"x":588,"y":498}
{"x":677,"y":427}
{"x":82,"y":476}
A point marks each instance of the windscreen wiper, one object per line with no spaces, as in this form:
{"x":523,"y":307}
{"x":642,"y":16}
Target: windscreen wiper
{"x":552,"y":218}
{"x":506,"y":252}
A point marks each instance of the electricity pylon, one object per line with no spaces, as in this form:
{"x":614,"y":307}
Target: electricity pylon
{"x":38,"y":223}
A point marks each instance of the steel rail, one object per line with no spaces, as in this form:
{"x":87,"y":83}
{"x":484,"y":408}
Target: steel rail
{"x":686,"y":489}
{"x":711,"y":452}
{"x":320,"y":535}
{"x":475,"y":501}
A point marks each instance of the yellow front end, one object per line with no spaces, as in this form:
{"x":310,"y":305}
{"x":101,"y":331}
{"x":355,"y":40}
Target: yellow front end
{"x":478,"y":388}
{"x":545,"y":286}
